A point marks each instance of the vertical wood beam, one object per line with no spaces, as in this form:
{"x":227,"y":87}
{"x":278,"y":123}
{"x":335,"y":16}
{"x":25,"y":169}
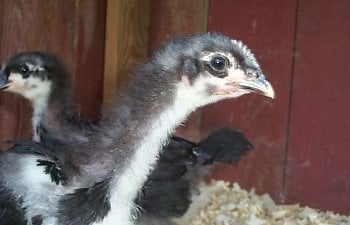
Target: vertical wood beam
{"x":171,"y":19}
{"x":127,"y":28}
{"x":88,"y":56}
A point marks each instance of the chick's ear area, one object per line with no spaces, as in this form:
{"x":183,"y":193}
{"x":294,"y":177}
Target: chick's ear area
{"x":44,"y":75}
{"x":190,"y":67}
{"x":190,"y":70}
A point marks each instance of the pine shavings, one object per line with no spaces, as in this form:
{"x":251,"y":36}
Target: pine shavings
{"x":231,"y":205}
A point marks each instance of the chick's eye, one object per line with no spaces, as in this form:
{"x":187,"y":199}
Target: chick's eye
{"x":219,"y":63}
{"x":24,"y":70}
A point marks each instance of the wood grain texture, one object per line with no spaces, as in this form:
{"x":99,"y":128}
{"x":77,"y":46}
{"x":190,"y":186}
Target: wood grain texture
{"x":51,"y":26}
{"x":171,"y":19}
{"x":127,"y":31}
{"x":267,"y":27}
{"x":89,"y":43}
{"x":318,"y":172}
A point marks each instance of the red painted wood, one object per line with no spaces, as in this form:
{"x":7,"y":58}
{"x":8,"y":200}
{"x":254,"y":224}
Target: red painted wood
{"x":319,"y":162}
{"x":88,"y":60}
{"x":72,"y":30}
{"x":267,"y":27}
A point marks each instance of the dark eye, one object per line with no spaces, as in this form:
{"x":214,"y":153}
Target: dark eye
{"x":24,"y":70}
{"x":219,"y":63}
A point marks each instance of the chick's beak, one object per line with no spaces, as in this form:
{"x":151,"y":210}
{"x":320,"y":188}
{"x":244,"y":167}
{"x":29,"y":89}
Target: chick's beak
{"x":259,"y":85}
{"x":4,"y":83}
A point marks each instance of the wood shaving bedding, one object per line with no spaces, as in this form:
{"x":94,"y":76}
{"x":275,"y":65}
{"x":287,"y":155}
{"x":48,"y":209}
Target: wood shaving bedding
{"x":231,"y":205}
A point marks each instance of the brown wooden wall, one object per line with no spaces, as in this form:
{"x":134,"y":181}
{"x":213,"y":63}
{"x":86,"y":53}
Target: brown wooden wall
{"x":301,"y":138}
{"x":318,"y":162}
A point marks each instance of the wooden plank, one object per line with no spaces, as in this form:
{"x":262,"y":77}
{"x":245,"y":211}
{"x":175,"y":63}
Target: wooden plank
{"x":319,"y":168}
{"x":126,"y":41}
{"x":170,"y":19}
{"x":48,"y":26}
{"x":89,"y":43}
{"x":267,"y":27}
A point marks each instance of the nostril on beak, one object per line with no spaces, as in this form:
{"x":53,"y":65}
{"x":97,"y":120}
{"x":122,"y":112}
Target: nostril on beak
{"x":253,"y":74}
{"x":258,"y":74}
